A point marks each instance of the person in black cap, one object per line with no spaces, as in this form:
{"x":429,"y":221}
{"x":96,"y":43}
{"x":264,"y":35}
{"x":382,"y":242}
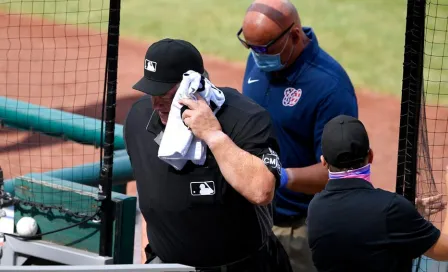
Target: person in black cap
{"x":214,"y":217}
{"x":354,"y":227}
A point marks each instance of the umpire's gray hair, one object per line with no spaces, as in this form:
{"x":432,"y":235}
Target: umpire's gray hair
{"x":206,"y":75}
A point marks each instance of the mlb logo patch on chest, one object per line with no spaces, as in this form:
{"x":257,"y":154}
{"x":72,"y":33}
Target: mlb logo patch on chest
{"x":291,"y":97}
{"x":199,"y":188}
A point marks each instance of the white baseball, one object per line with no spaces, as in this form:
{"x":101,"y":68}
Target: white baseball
{"x":26,"y":226}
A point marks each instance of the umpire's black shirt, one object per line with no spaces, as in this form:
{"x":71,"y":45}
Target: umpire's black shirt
{"x":355,"y":227}
{"x":182,"y":225}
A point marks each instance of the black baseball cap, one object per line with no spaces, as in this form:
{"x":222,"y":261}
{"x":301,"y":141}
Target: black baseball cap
{"x":344,"y":141}
{"x":165,"y":63}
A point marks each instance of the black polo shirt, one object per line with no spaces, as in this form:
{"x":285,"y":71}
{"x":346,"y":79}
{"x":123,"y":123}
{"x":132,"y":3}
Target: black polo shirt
{"x":354,"y":227}
{"x":184,"y":226}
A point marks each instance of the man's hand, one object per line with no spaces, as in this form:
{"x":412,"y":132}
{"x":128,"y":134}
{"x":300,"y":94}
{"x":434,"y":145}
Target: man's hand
{"x":430,"y":205}
{"x":246,"y":173}
{"x":200,"y":118}
{"x":433,"y":204}
{"x":309,"y":180}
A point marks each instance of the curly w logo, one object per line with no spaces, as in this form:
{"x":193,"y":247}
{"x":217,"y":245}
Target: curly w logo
{"x":292,"y":96}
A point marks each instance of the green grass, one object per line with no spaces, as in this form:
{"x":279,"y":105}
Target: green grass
{"x":87,"y":13}
{"x":436,"y":52}
{"x":366,"y":36}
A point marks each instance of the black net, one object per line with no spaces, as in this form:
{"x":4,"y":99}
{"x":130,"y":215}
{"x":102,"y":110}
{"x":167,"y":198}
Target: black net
{"x":52,"y":81}
{"x":432,"y":148}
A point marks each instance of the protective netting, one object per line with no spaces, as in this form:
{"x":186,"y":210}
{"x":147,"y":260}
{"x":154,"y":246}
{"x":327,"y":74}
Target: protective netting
{"x":52,"y":81}
{"x":432,"y":148}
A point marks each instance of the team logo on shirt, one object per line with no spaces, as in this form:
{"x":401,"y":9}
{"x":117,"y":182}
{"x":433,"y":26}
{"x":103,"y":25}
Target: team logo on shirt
{"x":292,"y":96}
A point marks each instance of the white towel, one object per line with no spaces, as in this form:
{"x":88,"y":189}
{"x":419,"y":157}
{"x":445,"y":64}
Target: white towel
{"x":178,"y":144}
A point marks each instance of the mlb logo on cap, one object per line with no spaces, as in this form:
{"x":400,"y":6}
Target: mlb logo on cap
{"x":150,"y":65}
{"x":165,"y":63}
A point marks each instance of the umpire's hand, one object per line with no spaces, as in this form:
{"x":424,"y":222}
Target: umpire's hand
{"x":200,"y":118}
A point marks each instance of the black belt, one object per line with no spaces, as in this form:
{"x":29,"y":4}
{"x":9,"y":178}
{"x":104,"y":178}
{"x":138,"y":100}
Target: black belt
{"x":270,"y":257}
{"x":242,"y":264}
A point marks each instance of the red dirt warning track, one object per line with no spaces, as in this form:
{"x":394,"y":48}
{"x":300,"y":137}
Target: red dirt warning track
{"x":63,"y":67}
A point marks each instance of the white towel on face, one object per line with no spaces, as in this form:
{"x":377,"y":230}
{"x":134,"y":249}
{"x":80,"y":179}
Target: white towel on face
{"x":178,"y":144}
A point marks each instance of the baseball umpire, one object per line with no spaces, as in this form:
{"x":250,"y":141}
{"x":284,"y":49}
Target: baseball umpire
{"x":303,"y":87}
{"x":353,"y":226}
{"x":228,"y":228}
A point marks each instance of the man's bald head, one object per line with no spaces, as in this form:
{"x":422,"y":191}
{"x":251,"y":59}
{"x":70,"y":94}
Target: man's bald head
{"x":271,"y":17}
{"x":277,"y":23}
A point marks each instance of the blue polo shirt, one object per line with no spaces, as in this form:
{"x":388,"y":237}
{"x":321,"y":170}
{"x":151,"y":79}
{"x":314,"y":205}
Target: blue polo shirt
{"x":301,"y":100}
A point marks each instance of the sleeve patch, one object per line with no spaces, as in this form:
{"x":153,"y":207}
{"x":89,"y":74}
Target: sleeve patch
{"x":272,"y":161}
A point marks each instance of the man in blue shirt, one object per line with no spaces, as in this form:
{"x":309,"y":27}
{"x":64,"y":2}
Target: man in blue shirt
{"x":303,"y":88}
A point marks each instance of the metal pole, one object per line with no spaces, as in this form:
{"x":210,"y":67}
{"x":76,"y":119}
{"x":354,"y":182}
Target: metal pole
{"x":105,"y":187}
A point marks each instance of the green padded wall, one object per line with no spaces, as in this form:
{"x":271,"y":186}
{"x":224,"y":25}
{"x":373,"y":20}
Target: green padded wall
{"x":76,"y":198}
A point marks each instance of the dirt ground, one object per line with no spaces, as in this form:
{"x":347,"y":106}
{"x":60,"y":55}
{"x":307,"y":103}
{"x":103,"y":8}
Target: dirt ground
{"x":71,"y":67}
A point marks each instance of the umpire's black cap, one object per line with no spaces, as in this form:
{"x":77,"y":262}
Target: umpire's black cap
{"x":165,"y":63}
{"x":344,"y":141}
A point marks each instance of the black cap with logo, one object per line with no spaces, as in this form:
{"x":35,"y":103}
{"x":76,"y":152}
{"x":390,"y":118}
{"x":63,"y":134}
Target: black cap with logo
{"x":344,"y":141}
{"x":165,"y":63}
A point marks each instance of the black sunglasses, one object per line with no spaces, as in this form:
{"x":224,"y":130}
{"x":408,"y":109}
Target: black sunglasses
{"x":261,"y":49}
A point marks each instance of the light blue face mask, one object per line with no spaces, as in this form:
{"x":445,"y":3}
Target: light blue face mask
{"x":270,"y":63}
